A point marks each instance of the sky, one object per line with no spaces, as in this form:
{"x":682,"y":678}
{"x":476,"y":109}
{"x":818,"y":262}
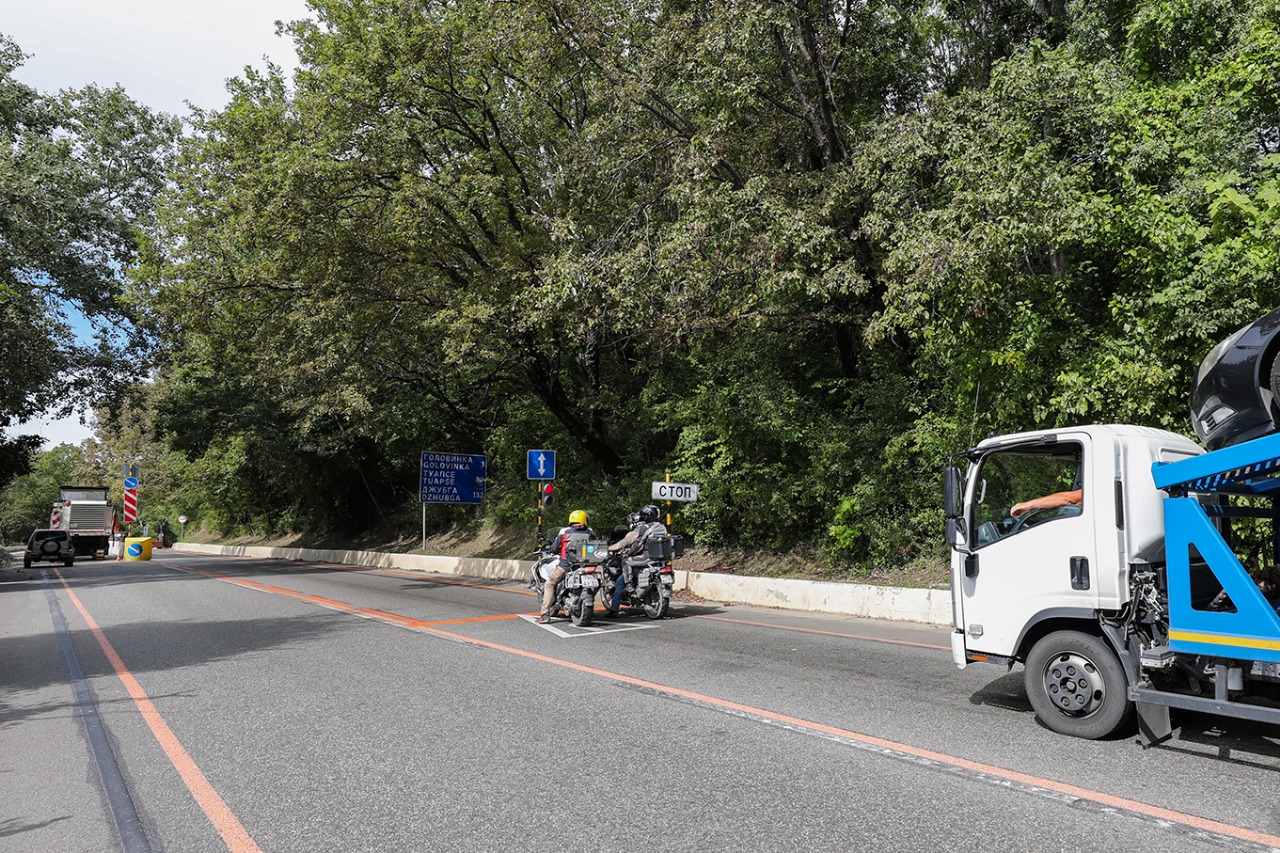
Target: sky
{"x":165,"y":53}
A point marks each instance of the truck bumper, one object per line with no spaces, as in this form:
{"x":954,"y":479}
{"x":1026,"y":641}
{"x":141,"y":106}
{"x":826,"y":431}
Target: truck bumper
{"x":958,"y":653}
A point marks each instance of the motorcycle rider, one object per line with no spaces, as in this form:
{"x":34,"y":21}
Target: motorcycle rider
{"x":632,"y":545}
{"x":635,"y":528}
{"x":560,"y":545}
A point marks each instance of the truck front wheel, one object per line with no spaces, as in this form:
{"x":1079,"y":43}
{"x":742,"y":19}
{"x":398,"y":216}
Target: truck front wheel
{"x":1077,"y":686}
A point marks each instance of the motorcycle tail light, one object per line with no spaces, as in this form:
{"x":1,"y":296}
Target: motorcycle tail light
{"x":587,"y":570}
{"x":666,"y":570}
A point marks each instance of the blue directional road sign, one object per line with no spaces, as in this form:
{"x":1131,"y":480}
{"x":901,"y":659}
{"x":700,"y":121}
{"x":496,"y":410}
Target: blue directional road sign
{"x":452,"y":478}
{"x":542,"y":464}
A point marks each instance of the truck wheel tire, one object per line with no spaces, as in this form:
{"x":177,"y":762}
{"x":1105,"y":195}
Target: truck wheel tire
{"x":1077,"y":686}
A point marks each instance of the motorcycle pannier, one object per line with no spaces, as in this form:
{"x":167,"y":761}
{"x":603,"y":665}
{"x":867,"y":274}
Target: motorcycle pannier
{"x":664,"y":548}
{"x":592,"y":551}
{"x":575,"y":542}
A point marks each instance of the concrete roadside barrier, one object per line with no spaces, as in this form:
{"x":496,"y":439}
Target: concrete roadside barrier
{"x":930,"y":606}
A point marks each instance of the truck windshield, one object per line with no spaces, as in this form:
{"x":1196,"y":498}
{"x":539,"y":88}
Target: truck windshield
{"x":1012,"y":477}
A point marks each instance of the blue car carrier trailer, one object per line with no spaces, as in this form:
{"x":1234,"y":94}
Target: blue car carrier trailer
{"x":1239,"y":634}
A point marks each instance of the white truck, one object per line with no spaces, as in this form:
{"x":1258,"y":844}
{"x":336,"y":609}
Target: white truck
{"x":87,"y":515}
{"x":1132,"y":600}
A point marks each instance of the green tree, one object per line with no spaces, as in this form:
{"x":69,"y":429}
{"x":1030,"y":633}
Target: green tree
{"x":78,"y":171}
{"x":26,"y":501}
{"x":796,"y":251}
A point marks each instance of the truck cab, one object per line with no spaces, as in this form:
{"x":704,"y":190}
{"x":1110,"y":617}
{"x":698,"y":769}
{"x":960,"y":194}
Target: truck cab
{"x":1056,"y":569}
{"x":1015,"y":578}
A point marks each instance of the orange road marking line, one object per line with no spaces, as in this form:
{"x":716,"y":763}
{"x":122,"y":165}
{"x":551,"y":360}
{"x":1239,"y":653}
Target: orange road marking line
{"x":991,"y":770}
{"x":328,"y":602}
{"x":371,"y":612}
{"x":390,"y":617}
{"x":1075,"y":791}
{"x":403,"y":573}
{"x":220,"y":815}
{"x":827,"y":633}
{"x":495,"y":618}
{"x":434,"y":578}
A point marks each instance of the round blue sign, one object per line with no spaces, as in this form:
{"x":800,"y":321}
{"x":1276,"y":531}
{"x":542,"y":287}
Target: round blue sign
{"x":131,"y":482}
{"x":135,"y":549}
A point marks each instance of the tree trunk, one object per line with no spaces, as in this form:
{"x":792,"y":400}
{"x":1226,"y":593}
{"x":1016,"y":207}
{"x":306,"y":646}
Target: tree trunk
{"x":547,"y":385}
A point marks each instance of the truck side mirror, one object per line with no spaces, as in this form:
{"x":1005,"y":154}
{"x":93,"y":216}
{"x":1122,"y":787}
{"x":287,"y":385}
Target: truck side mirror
{"x":951,"y":491}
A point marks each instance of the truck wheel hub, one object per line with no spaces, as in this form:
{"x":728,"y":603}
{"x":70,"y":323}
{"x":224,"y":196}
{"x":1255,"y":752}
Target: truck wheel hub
{"x":1073,"y":684}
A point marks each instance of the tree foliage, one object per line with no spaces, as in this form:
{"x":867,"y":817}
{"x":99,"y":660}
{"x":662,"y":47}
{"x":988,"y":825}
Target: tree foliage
{"x":79,"y":171}
{"x":796,"y":251}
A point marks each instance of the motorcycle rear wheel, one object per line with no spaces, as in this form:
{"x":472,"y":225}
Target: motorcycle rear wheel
{"x":581,"y":610}
{"x":655,"y":603}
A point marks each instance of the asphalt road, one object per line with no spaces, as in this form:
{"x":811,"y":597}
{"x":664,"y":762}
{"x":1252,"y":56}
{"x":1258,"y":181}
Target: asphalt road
{"x":204,"y":703}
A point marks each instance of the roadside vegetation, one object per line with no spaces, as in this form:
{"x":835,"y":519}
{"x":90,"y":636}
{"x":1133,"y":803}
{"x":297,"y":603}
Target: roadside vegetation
{"x":795,"y":252}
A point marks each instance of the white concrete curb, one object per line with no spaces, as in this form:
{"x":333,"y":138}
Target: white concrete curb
{"x":932,"y":606}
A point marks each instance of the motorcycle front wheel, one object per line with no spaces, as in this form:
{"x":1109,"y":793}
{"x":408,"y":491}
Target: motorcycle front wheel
{"x":655,"y":603}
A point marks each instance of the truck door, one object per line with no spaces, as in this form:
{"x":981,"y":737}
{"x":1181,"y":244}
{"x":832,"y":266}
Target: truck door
{"x":1042,"y":560}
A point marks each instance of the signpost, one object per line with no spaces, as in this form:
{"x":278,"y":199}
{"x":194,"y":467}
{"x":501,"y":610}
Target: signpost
{"x":541,"y":465}
{"x":182,"y":526}
{"x":450,"y":478}
{"x":665,"y":490}
{"x":687,"y":492}
{"x":130,"y":471}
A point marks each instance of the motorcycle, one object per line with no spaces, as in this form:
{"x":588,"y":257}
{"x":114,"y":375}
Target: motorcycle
{"x":576,"y":593}
{"x":655,"y":579}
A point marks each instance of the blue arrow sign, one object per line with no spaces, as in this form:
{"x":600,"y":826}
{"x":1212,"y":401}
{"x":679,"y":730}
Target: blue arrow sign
{"x":452,"y":478}
{"x":131,"y":482}
{"x":542,"y":465}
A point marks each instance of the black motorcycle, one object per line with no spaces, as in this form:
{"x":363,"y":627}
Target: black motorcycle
{"x":576,"y":593}
{"x":652,"y":579}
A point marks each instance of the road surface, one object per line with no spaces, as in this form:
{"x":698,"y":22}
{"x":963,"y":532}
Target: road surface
{"x":196,"y":703}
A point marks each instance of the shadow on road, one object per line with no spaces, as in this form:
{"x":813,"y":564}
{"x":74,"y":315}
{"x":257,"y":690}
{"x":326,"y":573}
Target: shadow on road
{"x":1225,"y":739}
{"x":150,"y":646}
{"x":1005,"y":692}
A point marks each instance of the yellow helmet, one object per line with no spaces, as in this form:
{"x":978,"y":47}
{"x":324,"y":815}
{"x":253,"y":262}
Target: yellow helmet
{"x":578,"y":516}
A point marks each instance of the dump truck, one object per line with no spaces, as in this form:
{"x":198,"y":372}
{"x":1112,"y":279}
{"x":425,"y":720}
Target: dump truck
{"x":1128,"y":570}
{"x":88,"y":516}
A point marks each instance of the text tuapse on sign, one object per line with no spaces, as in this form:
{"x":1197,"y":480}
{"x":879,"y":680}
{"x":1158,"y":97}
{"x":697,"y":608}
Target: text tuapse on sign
{"x":452,"y":478}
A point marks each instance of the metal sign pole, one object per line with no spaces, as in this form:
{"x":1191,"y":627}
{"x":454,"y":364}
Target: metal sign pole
{"x":668,"y":506}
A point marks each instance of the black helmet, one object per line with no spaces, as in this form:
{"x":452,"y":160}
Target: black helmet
{"x":649,"y":513}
